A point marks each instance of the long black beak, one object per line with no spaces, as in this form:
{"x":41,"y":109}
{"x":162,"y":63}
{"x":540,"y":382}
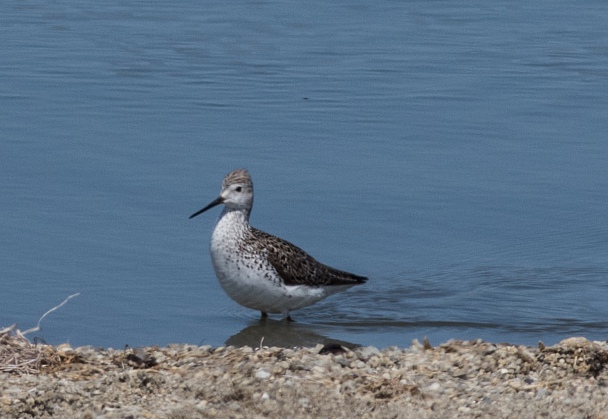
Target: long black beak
{"x":218,"y":200}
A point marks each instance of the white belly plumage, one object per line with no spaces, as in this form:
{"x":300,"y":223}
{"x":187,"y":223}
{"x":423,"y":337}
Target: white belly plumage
{"x":255,"y":284}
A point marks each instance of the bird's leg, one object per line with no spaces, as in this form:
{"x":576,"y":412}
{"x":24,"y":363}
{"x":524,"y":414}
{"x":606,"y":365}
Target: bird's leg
{"x":286,"y":316}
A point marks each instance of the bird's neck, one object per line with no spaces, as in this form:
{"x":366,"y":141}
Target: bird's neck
{"x":237,"y":219}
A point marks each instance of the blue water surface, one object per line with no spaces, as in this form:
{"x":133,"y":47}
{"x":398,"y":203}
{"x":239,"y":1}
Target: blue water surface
{"x":454,"y":152}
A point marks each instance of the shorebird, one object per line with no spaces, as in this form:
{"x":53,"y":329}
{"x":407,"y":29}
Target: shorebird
{"x":261,"y":271}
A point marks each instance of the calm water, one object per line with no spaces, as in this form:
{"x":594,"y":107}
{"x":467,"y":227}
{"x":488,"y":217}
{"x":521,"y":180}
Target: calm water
{"x":454,"y":151}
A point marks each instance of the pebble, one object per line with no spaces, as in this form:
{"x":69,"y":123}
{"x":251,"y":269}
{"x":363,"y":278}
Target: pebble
{"x":434,"y":387}
{"x":367,"y":352}
{"x":262,"y":374}
{"x":458,"y":378}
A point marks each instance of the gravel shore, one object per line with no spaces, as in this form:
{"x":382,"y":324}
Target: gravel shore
{"x":455,"y":379}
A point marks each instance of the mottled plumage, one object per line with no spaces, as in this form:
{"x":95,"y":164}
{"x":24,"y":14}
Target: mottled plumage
{"x":296,"y":267}
{"x":261,"y":271}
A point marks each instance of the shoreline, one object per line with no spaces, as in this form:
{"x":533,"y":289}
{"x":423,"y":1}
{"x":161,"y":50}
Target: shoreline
{"x":454,"y":379}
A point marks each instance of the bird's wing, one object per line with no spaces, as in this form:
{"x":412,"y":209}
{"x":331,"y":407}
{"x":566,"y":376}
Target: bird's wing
{"x":296,"y":267}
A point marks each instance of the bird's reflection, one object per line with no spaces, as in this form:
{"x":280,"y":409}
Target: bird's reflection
{"x":281,"y":333}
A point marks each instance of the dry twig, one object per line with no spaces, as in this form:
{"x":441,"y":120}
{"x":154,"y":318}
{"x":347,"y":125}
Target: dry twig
{"x":19,"y":356}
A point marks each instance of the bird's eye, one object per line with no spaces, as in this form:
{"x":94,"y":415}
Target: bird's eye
{"x":238,"y":189}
